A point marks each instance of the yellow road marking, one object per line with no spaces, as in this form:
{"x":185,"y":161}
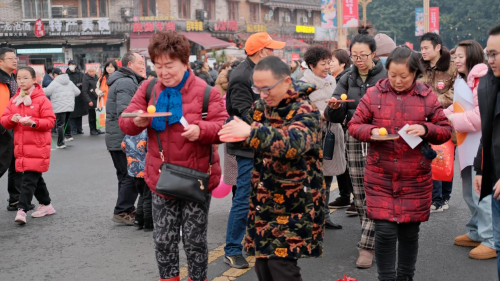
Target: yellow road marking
{"x":212,"y":256}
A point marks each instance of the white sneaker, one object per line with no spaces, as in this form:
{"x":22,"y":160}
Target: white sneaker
{"x":446,"y":206}
{"x":435,"y":208}
{"x":61,"y":146}
{"x":68,"y":139}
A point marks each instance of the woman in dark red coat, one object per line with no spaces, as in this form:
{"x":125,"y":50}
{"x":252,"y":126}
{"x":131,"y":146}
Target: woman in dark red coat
{"x":398,"y":179}
{"x":180,"y":92}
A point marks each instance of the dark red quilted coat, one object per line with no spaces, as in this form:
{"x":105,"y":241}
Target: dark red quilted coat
{"x":398,"y":179}
{"x":194,"y":155}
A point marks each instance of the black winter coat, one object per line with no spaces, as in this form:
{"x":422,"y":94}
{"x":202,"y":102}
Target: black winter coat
{"x":352,"y":85}
{"x":81,"y":106}
{"x":205,"y":76}
{"x":487,"y":161}
{"x":88,"y":89}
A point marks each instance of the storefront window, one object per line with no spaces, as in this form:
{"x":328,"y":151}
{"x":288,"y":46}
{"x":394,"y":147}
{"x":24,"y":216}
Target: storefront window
{"x":210,"y":8}
{"x":184,"y":9}
{"x":233,"y":11}
{"x":35,"y":9}
{"x":94,"y":8}
{"x":254,"y":12}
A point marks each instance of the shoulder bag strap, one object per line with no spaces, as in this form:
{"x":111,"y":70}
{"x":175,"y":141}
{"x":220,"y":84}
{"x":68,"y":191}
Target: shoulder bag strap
{"x":151,"y":85}
{"x":204,"y":113}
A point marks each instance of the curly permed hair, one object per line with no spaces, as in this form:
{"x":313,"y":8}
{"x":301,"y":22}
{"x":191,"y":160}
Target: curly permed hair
{"x":316,"y":53}
{"x":171,"y":44}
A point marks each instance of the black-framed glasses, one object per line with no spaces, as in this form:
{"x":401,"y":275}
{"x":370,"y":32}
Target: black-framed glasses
{"x":360,"y":57}
{"x":491,"y":56}
{"x":266,"y":90}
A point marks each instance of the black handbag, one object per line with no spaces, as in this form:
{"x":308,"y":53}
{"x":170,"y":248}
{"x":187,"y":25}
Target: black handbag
{"x":328,"y":143}
{"x":181,"y":182}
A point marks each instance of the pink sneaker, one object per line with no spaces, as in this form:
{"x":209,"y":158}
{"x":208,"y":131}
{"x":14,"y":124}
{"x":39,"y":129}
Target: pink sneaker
{"x":20,"y":217}
{"x":43,"y":210}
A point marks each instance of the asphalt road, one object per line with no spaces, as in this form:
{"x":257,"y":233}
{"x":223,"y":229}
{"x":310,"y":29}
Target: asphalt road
{"x":81,"y":242}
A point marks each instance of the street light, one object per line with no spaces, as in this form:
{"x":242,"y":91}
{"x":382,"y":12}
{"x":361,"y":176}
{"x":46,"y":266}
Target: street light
{"x":386,"y":31}
{"x":364,"y":3}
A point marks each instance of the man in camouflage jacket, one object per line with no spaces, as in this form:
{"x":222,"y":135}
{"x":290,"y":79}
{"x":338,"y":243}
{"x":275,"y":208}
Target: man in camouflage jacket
{"x":286,"y":216}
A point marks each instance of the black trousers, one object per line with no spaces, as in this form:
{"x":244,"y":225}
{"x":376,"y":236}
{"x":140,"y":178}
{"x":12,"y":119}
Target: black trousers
{"x":345,"y":184}
{"x":92,"y":119}
{"x":76,"y":125}
{"x":33,"y":184}
{"x":127,"y":192}
{"x":145,"y":202}
{"x":277,"y":270}
{"x":387,"y":235}
{"x":62,"y":120}
{"x":13,"y":181}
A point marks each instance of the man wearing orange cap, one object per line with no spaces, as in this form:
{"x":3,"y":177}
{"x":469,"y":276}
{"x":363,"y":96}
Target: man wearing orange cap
{"x":239,"y":100}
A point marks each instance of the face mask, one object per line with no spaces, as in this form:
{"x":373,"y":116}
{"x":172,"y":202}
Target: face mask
{"x":264,"y":53}
{"x":383,"y":60}
{"x":72,"y":67}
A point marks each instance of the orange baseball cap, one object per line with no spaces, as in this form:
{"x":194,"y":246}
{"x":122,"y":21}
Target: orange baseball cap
{"x":260,"y":41}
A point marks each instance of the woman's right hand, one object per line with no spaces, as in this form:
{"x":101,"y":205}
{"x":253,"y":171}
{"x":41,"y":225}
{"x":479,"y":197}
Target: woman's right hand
{"x":333,"y":104}
{"x":141,"y":121}
{"x":15,"y":118}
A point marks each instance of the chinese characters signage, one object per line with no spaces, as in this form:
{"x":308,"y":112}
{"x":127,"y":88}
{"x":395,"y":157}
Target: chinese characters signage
{"x":39,"y":28}
{"x":194,"y":26}
{"x":154,"y":18}
{"x":231,"y":25}
{"x":254,"y":28}
{"x":351,"y":13}
{"x":434,"y":19}
{"x":153,"y":26}
{"x":71,"y":27}
{"x":304,"y":29}
{"x":15,"y":29}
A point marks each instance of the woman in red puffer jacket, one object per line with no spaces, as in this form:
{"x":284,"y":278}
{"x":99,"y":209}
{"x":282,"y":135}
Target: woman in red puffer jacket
{"x":31,"y":116}
{"x":398,"y":179}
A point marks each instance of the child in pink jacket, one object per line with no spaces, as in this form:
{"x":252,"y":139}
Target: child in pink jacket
{"x":469,"y":62}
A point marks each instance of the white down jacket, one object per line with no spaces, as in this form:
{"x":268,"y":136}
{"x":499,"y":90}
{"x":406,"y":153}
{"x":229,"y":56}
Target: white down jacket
{"x":62,"y":93}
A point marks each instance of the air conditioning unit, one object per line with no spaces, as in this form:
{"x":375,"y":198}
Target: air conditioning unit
{"x":304,"y":19}
{"x":287,"y":18}
{"x":267,"y":17}
{"x":201,"y":14}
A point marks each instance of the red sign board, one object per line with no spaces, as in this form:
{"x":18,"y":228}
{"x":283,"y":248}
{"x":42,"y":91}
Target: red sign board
{"x":434,"y":19}
{"x":150,"y":26}
{"x":295,"y":56}
{"x":39,"y":28}
{"x":410,"y":45}
{"x":230,"y":25}
{"x":351,"y":13}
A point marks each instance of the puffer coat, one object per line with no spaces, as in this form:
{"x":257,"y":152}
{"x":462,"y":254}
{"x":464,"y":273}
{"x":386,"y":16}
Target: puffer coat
{"x":62,"y":93}
{"x":178,"y":149}
{"x":31,"y":145}
{"x":398,"y":179}
{"x":287,"y":197}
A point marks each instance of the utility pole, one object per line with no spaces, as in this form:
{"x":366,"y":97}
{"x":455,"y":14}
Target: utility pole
{"x":364,"y":3}
{"x":426,"y":16}
{"x":342,"y":32}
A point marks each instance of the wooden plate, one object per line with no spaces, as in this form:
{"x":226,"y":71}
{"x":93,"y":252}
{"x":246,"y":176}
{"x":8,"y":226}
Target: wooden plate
{"x":231,"y":139}
{"x":341,"y":101}
{"x":145,"y":114}
{"x":385,"y":138}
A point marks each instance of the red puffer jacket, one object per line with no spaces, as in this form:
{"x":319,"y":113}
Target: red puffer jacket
{"x":194,"y":155}
{"x":398,"y":179}
{"x":31,"y":145}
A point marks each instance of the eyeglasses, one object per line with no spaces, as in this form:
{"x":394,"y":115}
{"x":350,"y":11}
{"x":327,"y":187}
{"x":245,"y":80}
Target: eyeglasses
{"x":491,"y":56}
{"x":15,"y":59}
{"x":360,"y":57}
{"x":266,"y":90}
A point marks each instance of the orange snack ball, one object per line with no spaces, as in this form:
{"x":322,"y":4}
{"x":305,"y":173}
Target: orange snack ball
{"x":382,"y":131}
{"x":151,"y":109}
{"x":343,"y":97}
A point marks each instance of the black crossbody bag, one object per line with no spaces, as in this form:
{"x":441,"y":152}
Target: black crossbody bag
{"x":328,"y":143}
{"x":178,"y":181}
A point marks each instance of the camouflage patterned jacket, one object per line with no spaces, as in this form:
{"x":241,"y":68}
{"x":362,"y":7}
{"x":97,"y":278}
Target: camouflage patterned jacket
{"x":286,"y":215}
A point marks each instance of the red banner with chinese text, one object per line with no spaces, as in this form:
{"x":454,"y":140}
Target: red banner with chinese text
{"x":351,"y":13}
{"x":434,"y":19}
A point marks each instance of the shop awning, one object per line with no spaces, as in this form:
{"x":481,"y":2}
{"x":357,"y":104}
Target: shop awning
{"x":294,"y":43}
{"x":140,"y":42}
{"x":206,"y":40}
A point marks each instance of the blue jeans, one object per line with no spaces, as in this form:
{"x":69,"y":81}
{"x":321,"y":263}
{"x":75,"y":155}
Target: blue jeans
{"x":441,"y":191}
{"x":237,"y":222}
{"x":479,"y":226}
{"x":495,"y":210}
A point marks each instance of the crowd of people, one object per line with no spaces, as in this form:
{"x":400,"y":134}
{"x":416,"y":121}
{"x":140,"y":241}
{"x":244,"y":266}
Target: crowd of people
{"x":288,"y":129}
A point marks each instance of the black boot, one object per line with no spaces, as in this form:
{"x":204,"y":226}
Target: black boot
{"x":94,"y":132}
{"x":100,"y":132}
{"x":139,"y":221}
{"x":331,"y":225}
{"x":404,"y":278}
{"x":148,"y":224}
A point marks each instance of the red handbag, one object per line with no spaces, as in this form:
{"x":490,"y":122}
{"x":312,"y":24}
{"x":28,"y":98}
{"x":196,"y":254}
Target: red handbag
{"x":444,"y":163}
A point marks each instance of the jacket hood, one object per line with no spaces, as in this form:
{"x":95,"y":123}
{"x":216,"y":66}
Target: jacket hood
{"x":4,"y":77}
{"x":478,"y":71}
{"x":37,"y":92}
{"x":443,"y":64}
{"x":62,"y":79}
{"x":124,"y":72}
{"x":69,"y":72}
{"x":421,"y":89}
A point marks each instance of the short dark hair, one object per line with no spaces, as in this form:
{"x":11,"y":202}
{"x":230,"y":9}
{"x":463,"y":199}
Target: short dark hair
{"x":57,"y":71}
{"x":494,"y":30}
{"x":29,"y":69}
{"x":434,"y":38}
{"x":5,"y":50}
{"x":275,"y":65}
{"x":128,"y":57}
{"x":403,"y":55}
{"x":153,"y":73}
{"x":235,"y":63}
{"x":343,"y":57}
{"x":49,"y":70}
{"x":473,"y":54}
{"x":170,"y":43}
{"x":364,"y":37}
{"x":315,"y":54}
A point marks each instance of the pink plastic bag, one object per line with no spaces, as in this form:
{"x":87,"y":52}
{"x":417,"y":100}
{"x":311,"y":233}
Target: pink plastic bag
{"x":347,"y":278}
